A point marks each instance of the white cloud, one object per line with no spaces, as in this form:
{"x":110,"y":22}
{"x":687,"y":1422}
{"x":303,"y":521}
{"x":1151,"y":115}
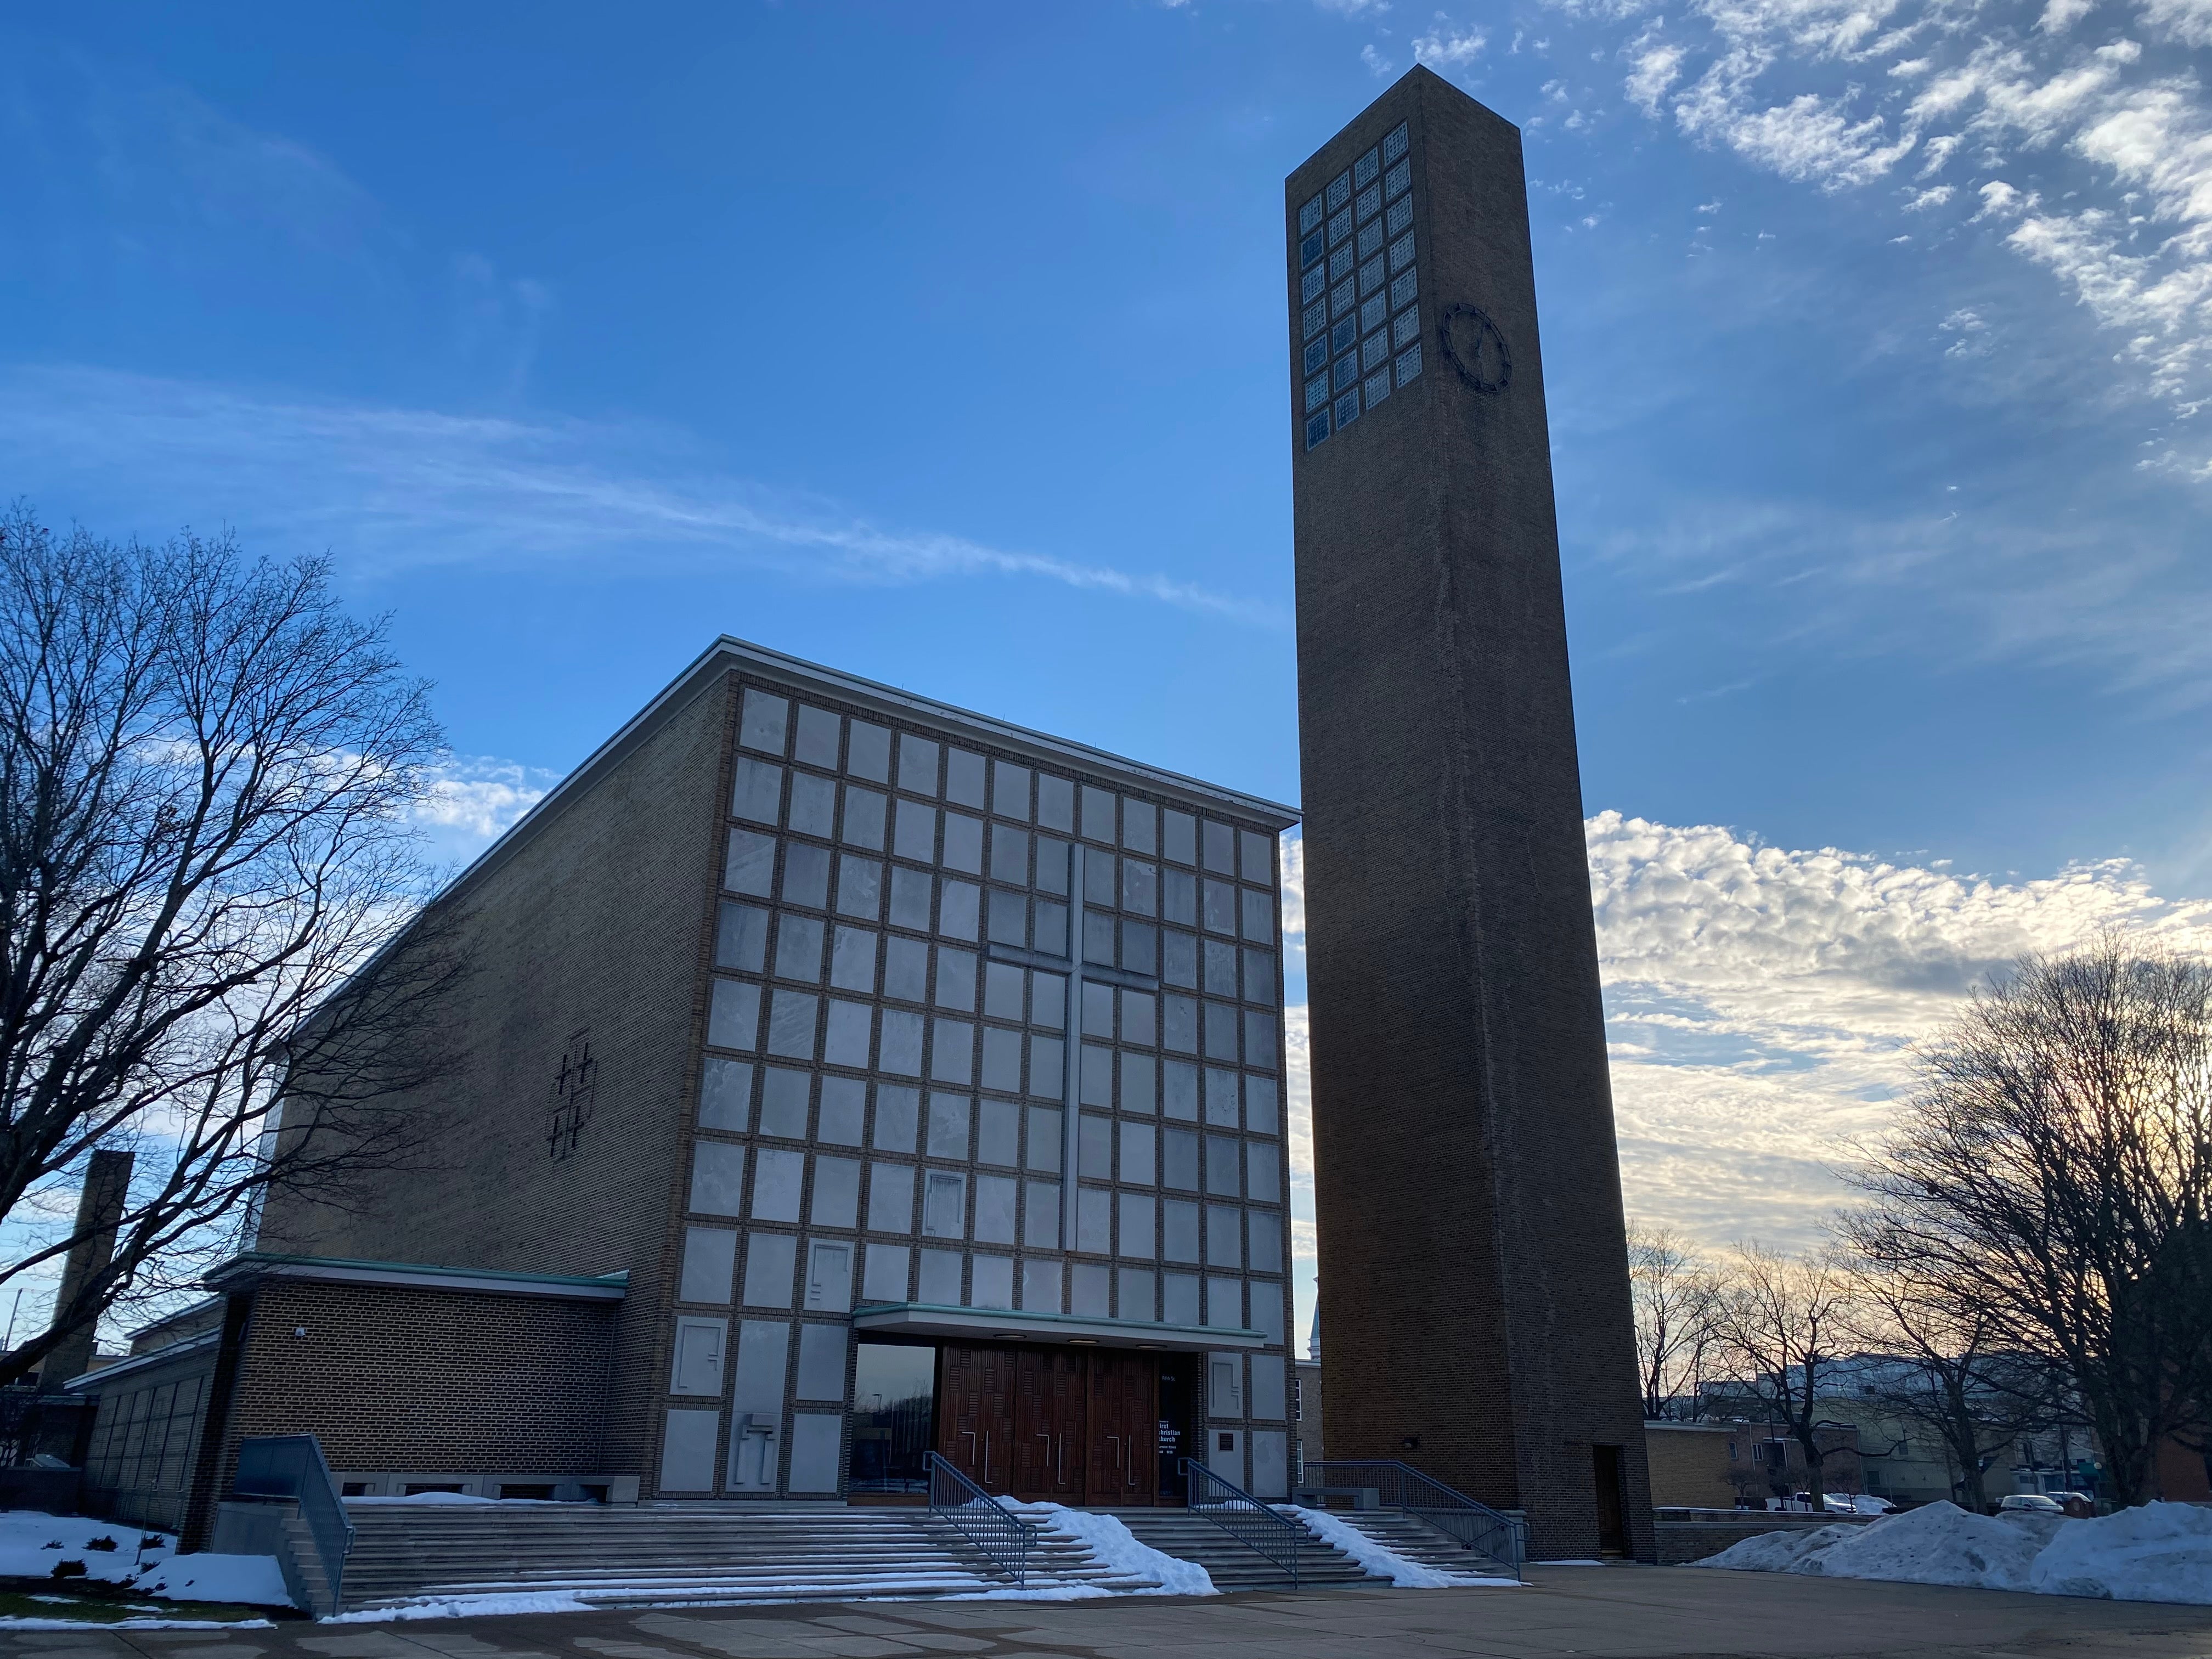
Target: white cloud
{"x":1657,"y":67}
{"x":2187,"y":21}
{"x":473,"y":800}
{"x":481,"y":797}
{"x":1377,"y":65}
{"x":1813,"y":139}
{"x":1782,"y":84}
{"x":1969,"y":332}
{"x":411,"y":487}
{"x":1762,"y":1002}
{"x":1773,"y":994}
{"x":1446,"y":46}
{"x":2001,"y":201}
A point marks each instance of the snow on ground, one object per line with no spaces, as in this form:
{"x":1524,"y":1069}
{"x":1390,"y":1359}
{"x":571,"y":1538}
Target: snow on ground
{"x":671,"y":1598}
{"x":11,"y":1625}
{"x":1377,"y":1561}
{"x":254,"y":1580}
{"x":467,"y":1606}
{"x":2159,"y":1552}
{"x":32,"y":1541}
{"x":1116,"y":1547}
{"x":469,"y":1498}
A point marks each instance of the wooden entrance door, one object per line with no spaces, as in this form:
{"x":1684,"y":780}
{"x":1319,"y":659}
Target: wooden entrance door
{"x":1124,"y":1429}
{"x":1050,"y":1419}
{"x":975,"y":1413}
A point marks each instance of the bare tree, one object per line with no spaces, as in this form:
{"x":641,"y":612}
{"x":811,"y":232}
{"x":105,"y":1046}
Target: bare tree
{"x":2051,"y":1173}
{"x":1675,"y":1301}
{"x":1783,"y":1319}
{"x":206,"y":774}
{"x":1943,"y":1367}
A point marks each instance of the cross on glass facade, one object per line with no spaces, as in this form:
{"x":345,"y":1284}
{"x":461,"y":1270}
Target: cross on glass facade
{"x":1088,"y":961}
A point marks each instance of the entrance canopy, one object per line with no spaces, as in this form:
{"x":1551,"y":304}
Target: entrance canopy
{"x":990,"y":1325}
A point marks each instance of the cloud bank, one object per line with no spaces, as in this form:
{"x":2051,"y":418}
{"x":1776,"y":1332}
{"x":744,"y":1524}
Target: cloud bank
{"x":1761,"y":1003}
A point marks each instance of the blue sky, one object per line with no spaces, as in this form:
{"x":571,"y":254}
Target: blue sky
{"x":945,"y":344}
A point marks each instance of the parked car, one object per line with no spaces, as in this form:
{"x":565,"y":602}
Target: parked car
{"x":2079,"y":1504}
{"x":2034,"y":1502}
{"x":1836,"y":1502}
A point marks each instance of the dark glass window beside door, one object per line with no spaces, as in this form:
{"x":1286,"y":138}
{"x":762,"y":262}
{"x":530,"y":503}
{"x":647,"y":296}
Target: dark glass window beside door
{"x":894,"y":1399}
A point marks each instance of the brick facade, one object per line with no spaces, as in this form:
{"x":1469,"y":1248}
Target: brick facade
{"x":596,"y":923}
{"x":455,"y":1379}
{"x":1691,"y":1464}
{"x":592,"y":936}
{"x":1474,"y":1283}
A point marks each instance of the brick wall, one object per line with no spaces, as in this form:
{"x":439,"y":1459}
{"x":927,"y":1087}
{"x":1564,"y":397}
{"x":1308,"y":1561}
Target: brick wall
{"x":1474,"y":1281}
{"x":594,"y":929}
{"x":1690,"y":1465}
{"x":394,"y":1378}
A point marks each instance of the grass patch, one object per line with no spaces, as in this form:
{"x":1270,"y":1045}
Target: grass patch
{"x":97,"y":1603}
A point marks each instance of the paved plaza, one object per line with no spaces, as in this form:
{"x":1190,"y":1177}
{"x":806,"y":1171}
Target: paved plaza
{"x":1629,"y":1612}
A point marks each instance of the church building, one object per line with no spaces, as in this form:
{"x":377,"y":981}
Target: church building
{"x":837,"y":1076}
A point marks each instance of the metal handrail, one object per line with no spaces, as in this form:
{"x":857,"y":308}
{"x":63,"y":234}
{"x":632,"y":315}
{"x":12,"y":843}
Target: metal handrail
{"x":982,"y":1519}
{"x":1255,"y":1525}
{"x":1399,"y":1485}
{"x":292,"y":1466}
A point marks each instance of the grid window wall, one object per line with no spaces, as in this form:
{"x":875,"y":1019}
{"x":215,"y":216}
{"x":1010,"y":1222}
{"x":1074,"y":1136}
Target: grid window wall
{"x":847,"y":980}
{"x":1358,"y":286}
{"x":901,"y":998}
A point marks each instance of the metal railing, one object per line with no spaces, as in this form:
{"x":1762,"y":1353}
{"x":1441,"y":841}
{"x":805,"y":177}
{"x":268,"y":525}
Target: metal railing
{"x":1397,"y":1486}
{"x":982,"y":1519}
{"x":292,"y":1466}
{"x":1272,"y":1535}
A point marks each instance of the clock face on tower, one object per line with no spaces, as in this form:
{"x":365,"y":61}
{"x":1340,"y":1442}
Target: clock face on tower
{"x":1471,"y":343}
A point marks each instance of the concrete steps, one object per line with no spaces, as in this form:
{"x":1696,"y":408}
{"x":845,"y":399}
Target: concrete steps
{"x":1233,"y":1565}
{"x":676,"y":1555}
{"x":1417,"y":1540}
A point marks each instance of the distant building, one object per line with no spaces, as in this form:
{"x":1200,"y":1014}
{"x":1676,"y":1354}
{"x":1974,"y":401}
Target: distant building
{"x":1306,"y":1386}
{"x":1692,"y":1463}
{"x":1734,"y":1463}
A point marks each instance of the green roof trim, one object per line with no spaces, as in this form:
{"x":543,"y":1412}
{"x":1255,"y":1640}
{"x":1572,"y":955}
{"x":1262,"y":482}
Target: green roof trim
{"x":255,"y":1260}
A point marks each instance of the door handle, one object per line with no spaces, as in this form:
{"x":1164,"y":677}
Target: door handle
{"x":1114,"y":1441}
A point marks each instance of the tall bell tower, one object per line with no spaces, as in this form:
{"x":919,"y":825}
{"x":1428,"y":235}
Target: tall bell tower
{"x":1475,"y":1280}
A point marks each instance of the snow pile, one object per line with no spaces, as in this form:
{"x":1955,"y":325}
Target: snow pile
{"x":467,"y":1497}
{"x":12,"y":1625}
{"x":1377,"y":1561}
{"x":466,"y":1606}
{"x":2159,"y":1552}
{"x":32,"y":1543}
{"x":1940,"y":1544}
{"x":1115,"y":1546}
{"x":1775,"y":1552}
{"x":254,"y":1580}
